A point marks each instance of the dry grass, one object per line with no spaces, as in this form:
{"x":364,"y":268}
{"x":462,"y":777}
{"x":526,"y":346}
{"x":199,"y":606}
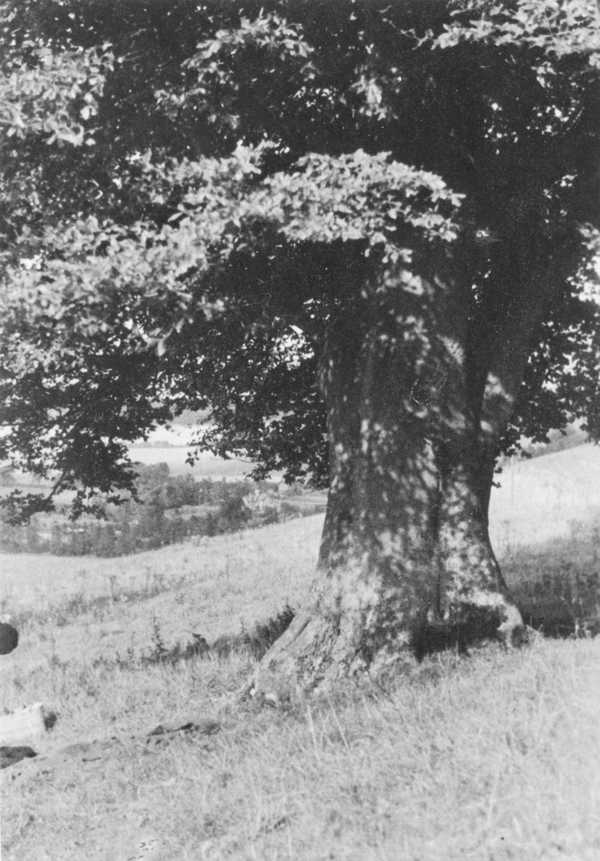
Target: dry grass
{"x":490,"y":758}
{"x":441,"y":765}
{"x":88,"y":608}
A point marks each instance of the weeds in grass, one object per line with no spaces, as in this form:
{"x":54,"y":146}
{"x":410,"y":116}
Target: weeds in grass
{"x":126,"y":661}
{"x":255,"y":642}
{"x":258,"y":639}
{"x":159,"y":651}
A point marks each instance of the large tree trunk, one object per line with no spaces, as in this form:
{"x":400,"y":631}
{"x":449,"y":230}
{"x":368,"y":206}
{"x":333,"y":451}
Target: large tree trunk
{"x":406,"y":564}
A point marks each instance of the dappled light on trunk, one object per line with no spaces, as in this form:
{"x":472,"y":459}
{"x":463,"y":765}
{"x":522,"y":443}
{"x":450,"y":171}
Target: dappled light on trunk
{"x":405,"y":553}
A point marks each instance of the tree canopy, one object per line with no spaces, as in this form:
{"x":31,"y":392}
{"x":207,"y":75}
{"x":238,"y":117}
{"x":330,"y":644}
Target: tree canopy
{"x":190,"y":192}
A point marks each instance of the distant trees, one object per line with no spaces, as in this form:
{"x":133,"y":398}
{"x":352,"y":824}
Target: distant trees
{"x":169,"y":509}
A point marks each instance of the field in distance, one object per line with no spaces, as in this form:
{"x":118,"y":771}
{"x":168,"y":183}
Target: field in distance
{"x":206,"y":466}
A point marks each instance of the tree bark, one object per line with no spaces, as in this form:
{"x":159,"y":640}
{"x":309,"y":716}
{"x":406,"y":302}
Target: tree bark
{"x":406,"y":565}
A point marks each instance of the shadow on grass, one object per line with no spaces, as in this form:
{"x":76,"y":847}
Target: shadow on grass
{"x":556,"y":585}
{"x":255,"y":642}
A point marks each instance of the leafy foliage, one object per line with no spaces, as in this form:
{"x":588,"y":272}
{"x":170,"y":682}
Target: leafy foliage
{"x":53,"y":96}
{"x":190,"y":194}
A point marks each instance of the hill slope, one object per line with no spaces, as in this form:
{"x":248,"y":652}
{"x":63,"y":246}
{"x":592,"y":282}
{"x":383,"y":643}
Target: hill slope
{"x":434,"y":764}
{"x":541,"y":498}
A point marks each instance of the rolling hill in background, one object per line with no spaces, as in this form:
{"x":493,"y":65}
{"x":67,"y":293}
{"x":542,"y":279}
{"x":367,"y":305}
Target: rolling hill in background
{"x":545,"y":497}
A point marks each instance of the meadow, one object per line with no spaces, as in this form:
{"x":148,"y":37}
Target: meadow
{"x":490,"y":757}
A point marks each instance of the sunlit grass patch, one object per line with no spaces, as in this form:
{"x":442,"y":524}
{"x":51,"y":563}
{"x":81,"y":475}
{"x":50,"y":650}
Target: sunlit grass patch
{"x":492,"y":757}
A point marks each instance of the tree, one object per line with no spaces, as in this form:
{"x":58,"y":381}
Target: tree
{"x":359,"y":233}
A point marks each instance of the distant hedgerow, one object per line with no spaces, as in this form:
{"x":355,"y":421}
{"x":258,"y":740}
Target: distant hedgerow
{"x":170,"y":509}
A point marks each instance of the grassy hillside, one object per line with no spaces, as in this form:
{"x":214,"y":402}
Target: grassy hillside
{"x":85,"y":607}
{"x":492,"y":757}
{"x":545,"y":497}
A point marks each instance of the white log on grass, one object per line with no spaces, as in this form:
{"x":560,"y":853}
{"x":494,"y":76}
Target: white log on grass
{"x":22,"y":726}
